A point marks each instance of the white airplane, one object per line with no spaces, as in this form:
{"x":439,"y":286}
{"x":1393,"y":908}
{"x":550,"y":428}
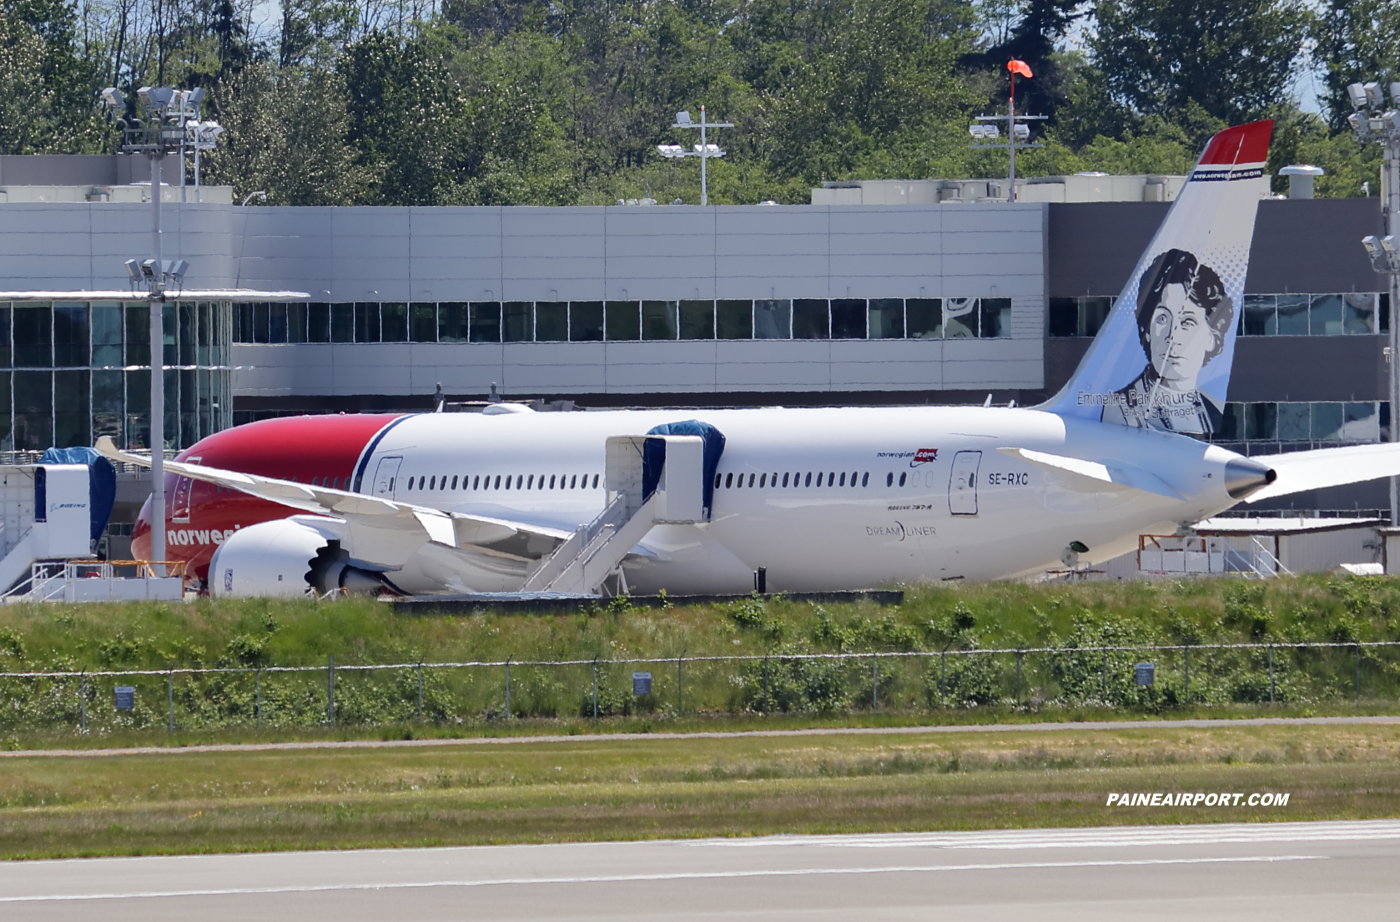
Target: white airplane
{"x":819,"y":499}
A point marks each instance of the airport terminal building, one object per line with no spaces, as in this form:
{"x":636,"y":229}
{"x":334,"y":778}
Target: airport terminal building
{"x":947,"y":301}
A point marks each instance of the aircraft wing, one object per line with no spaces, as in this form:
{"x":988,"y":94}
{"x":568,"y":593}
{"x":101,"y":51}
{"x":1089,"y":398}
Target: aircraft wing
{"x":398,"y":528}
{"x":1328,"y":467}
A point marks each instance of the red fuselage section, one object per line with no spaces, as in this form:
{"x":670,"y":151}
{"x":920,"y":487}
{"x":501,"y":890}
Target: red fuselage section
{"x":307,"y":449}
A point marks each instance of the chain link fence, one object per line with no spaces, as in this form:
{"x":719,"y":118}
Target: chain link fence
{"x":1033,"y":678}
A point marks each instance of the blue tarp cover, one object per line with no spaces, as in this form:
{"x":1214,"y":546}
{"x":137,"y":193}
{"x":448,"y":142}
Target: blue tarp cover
{"x":654,"y":455}
{"x":102,"y":482}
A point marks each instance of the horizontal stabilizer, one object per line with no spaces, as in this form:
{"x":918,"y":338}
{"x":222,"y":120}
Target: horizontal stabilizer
{"x":1094,"y":476}
{"x":1328,"y":467}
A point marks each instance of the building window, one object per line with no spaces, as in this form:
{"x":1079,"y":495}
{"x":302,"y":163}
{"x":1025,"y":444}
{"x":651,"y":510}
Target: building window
{"x":661,"y":320}
{"x":1267,"y":427}
{"x":697,"y":320}
{"x":623,"y":321}
{"x":485,"y":325}
{"x":613,"y":321}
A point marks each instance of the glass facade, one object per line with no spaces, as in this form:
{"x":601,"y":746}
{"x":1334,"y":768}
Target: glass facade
{"x":72,"y":371}
{"x":624,"y":321}
{"x":1267,"y":428}
{"x":1337,"y":314}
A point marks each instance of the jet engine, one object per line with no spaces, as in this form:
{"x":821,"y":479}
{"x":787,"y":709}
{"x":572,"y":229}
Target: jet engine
{"x":285,"y":558}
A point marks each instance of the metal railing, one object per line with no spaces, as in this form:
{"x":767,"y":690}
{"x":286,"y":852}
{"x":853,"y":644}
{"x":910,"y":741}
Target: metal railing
{"x":1104,"y":676}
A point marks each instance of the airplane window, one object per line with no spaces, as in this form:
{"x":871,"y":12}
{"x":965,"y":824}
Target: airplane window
{"x":763,"y":481}
{"x":865,"y":481}
{"x":531,"y":484}
{"x":774,"y":479}
{"x":751,"y":479}
{"x":728,"y":481}
{"x":442,"y":482}
{"x":739,"y":482}
{"x":843,"y":478}
{"x":785,"y":479}
{"x":809,"y":480}
{"x":476,"y":482}
{"x":831,"y":479}
{"x":454,"y":481}
{"x":541,"y":486}
{"x":573,"y":482}
{"x":901,"y":479}
{"x":595,"y":481}
{"x":718,"y":479}
{"x":889,"y":479}
{"x":853,"y":478}
{"x":551,"y":481}
{"x":508,"y":480}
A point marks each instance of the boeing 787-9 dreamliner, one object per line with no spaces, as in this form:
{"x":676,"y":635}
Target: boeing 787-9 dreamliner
{"x":821,"y":499}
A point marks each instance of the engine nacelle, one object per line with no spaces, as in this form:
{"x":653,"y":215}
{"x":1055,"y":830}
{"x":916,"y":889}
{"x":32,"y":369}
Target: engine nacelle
{"x":270,"y":559}
{"x":286,"y":558}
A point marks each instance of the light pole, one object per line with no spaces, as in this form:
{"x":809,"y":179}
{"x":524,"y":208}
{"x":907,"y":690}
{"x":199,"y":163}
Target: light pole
{"x":704,"y":150}
{"x":162,"y":131}
{"x":987,"y":129}
{"x":201,"y":136}
{"x":1375,"y":123}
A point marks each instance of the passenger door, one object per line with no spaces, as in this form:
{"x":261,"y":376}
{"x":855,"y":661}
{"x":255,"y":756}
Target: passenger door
{"x":962,"y":485}
{"x":180,"y":503}
{"x":386,"y":475}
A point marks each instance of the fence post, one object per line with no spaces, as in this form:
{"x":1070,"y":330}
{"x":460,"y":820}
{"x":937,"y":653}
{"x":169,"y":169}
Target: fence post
{"x":874,"y":683}
{"x":595,"y":688}
{"x":1019,"y":655}
{"x":1271,"y":673}
{"x":82,"y":699}
{"x":330,"y":689}
{"x":1103,"y":677}
{"x":1358,"y":675}
{"x":766,"y":702}
{"x":508,"y":659}
{"x":1186,"y":699}
{"x":259,"y":696}
{"x":942,"y":679}
{"x":680,"y":684}
{"x":420,"y":691}
{"x":170,"y":698}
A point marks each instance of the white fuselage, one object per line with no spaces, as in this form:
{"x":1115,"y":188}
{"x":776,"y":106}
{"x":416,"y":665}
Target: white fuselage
{"x":919,"y":494}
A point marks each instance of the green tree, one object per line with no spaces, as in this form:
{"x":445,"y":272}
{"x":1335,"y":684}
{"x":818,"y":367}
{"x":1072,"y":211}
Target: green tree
{"x":1233,"y":59}
{"x":1355,"y":41}
{"x":285,"y":133}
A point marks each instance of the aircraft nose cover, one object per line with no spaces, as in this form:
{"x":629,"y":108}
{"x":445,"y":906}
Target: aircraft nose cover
{"x":654,"y":455}
{"x":1243,"y":476}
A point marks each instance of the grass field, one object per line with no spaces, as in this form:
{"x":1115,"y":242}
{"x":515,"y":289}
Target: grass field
{"x":585,"y":789}
{"x":1066,"y":684}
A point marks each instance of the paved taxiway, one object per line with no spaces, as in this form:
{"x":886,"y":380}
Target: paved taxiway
{"x":1273,"y":871}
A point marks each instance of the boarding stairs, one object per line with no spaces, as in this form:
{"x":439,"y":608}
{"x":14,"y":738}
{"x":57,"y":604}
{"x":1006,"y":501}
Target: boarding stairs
{"x":647,"y":485}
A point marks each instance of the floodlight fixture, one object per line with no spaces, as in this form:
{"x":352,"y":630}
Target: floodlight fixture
{"x":1023,"y":132}
{"x":1359,"y":124}
{"x":114,"y":99}
{"x":133,"y":269}
{"x":1390,"y":120}
{"x":175,"y":270}
{"x":195,"y":97}
{"x":704,"y":150}
{"x":993,"y":132}
{"x":1357,"y":92}
{"x":148,"y":269}
{"x":977,"y":132}
{"x":1374,"y":96}
{"x":1388,"y":244}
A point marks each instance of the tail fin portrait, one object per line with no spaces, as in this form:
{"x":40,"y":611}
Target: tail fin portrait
{"x":1162,"y":360}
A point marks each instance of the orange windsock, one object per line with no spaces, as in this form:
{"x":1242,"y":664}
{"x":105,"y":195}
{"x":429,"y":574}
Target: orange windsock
{"x":1019,"y":67}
